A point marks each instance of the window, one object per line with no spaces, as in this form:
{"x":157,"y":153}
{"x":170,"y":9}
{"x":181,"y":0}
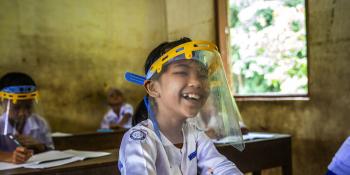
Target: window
{"x":264,"y":46}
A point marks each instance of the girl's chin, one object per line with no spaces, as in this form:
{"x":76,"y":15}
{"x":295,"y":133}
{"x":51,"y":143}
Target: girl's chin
{"x":191,"y":114}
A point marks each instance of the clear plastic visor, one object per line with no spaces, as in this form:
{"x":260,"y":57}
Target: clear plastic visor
{"x":215,"y":112}
{"x":14,"y":115}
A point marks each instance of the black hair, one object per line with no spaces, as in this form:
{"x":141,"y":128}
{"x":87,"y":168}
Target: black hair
{"x":16,"y":79}
{"x":141,"y":113}
{"x":114,"y":91}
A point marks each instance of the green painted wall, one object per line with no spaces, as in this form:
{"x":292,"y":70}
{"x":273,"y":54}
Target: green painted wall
{"x":75,"y":49}
{"x":194,"y":18}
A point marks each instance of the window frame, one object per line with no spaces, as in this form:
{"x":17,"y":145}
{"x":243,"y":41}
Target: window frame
{"x":222,"y":36}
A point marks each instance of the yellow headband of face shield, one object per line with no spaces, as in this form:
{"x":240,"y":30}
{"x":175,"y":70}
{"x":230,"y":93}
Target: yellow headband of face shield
{"x":21,"y":96}
{"x":186,"y":49}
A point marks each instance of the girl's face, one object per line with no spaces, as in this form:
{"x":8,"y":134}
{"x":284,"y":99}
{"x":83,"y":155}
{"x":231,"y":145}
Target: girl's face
{"x":114,"y":99}
{"x":21,"y":110}
{"x":183,"y":88}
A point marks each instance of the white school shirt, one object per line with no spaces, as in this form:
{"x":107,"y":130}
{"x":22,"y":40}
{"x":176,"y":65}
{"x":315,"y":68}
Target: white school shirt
{"x":142,"y":152}
{"x":112,"y":118}
{"x":35,"y":126}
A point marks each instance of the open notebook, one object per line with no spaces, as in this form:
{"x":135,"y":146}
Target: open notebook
{"x":54,"y":158}
{"x":249,"y":136}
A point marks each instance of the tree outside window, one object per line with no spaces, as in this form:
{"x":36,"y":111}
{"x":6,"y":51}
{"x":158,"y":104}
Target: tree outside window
{"x":268,"y":47}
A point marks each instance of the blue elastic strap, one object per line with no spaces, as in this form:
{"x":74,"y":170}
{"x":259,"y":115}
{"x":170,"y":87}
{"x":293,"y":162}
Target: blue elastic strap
{"x":134,"y":78}
{"x":19,"y":89}
{"x":151,"y":116}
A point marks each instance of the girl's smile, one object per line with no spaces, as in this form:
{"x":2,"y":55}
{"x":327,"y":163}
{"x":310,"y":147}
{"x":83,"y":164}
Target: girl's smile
{"x":194,"y":97}
{"x":183,"y":88}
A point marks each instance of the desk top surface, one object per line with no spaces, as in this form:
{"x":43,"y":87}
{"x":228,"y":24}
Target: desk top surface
{"x":111,"y":160}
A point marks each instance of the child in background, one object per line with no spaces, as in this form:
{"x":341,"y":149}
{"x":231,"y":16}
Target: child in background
{"x":19,"y":95}
{"x":119,"y":114}
{"x":340,"y":164}
{"x":179,"y":80}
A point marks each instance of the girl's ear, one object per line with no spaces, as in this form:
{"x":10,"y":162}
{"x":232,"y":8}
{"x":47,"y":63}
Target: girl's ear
{"x":151,"y":88}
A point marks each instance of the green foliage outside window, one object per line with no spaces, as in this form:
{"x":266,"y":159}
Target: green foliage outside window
{"x":268,"y":46}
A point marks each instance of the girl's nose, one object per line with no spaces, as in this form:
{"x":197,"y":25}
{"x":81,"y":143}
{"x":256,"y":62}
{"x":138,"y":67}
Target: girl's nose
{"x":22,"y":112}
{"x":195,"y":81}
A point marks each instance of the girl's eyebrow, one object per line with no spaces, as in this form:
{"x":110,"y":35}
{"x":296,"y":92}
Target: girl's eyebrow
{"x":182,"y":65}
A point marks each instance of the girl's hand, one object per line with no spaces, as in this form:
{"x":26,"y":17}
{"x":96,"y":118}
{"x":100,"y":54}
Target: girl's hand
{"x":115,"y":126}
{"x":31,"y":143}
{"x":21,"y":155}
{"x":211,"y":133}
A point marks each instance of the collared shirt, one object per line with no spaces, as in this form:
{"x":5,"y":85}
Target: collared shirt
{"x":112,"y":118}
{"x":340,"y":164}
{"x":35,"y":126}
{"x":142,"y":152}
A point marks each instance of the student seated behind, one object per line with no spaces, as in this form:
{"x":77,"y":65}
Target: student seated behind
{"x":119,"y":114}
{"x":340,"y":164}
{"x":19,"y":96}
{"x":178,"y":84}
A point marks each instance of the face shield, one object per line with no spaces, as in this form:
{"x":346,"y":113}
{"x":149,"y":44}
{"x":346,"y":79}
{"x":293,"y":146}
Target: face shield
{"x":214,"y":109}
{"x":18,"y":103}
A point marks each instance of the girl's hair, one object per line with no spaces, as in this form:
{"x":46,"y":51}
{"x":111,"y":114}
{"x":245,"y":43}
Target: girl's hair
{"x":115,"y":91}
{"x":141,"y":110}
{"x":15,"y":79}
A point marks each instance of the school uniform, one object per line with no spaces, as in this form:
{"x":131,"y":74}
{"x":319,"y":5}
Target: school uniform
{"x":112,"y":118}
{"x":143,"y":152}
{"x":340,"y":164}
{"x":34,"y":126}
{"x":213,"y":123}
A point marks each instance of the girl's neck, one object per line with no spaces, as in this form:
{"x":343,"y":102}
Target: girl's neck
{"x":116,"y":109}
{"x":18,"y":125}
{"x":171,"y":127}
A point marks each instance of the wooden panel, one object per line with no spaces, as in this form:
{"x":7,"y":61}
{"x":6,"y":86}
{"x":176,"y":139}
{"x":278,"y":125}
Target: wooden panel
{"x":262,"y":154}
{"x":90,"y":141}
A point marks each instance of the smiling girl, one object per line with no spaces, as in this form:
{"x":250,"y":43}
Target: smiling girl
{"x":180,"y":77}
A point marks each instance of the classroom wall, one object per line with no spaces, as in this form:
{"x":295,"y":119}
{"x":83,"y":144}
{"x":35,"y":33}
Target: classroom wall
{"x":317,"y":126}
{"x":193,"y":18}
{"x":75,"y":49}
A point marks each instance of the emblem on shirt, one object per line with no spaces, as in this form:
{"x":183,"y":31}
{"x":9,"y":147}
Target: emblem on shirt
{"x":138,"y":135}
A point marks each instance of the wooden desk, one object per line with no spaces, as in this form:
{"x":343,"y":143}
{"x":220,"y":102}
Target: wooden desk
{"x":90,"y":141}
{"x":262,"y":154}
{"x":106,"y":165}
{"x":258,"y":155}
